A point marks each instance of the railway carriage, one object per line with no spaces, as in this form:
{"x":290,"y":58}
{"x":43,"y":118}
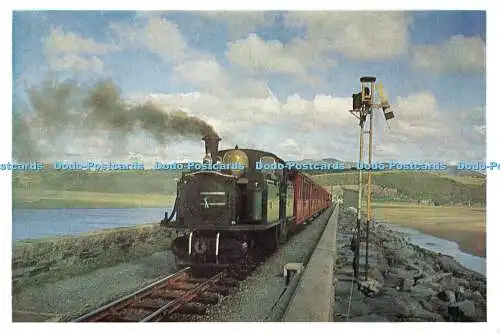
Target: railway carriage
{"x":230,"y":217}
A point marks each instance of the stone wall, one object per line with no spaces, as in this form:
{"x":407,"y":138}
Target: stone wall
{"x":51,"y":259}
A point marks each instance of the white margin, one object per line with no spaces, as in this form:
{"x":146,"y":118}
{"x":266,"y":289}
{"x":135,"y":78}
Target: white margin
{"x":493,"y":154}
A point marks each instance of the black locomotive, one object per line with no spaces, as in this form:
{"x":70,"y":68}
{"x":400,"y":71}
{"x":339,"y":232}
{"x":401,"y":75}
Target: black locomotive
{"x":232,"y":216}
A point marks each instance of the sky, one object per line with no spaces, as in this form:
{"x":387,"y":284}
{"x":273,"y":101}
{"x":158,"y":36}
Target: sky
{"x":275,"y":81}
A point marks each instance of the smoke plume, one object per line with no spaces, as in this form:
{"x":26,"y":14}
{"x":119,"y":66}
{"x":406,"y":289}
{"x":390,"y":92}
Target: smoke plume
{"x":68,"y":108}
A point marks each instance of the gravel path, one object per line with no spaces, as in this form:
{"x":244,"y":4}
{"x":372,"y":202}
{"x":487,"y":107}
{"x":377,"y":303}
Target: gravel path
{"x":259,"y":292}
{"x":78,"y":295}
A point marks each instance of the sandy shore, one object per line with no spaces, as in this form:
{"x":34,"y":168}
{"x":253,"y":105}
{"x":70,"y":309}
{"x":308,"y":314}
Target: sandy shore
{"x":462,"y":225}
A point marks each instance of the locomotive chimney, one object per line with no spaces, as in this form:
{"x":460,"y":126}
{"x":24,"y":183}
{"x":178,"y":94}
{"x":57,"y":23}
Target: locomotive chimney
{"x":212,"y":145}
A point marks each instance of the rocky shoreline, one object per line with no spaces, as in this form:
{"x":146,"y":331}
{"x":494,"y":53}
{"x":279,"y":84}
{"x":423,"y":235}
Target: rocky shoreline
{"x":405,"y":282}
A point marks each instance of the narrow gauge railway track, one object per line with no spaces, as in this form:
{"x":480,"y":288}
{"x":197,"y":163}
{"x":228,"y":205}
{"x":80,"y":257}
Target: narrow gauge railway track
{"x":177,"y":297}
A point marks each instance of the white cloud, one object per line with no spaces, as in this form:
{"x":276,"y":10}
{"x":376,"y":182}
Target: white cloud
{"x":240,"y":105}
{"x":323,"y":111}
{"x":457,"y":54}
{"x":422,"y":130}
{"x":239,"y":24}
{"x":356,"y":35}
{"x":271,"y":56}
{"x":205,"y":74}
{"x":60,"y":42}
{"x":76,"y":63}
{"x":385,"y":151}
{"x":237,"y":119}
{"x":298,"y":128}
{"x":253,"y":52}
{"x":289,"y":143}
{"x":158,"y":35}
{"x":250,"y":87}
{"x":70,"y":51}
{"x":163,"y":38}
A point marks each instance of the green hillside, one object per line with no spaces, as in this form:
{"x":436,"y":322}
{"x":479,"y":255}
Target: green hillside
{"x":133,"y":181}
{"x":149,"y":188}
{"x":85,"y":189}
{"x":414,"y":186}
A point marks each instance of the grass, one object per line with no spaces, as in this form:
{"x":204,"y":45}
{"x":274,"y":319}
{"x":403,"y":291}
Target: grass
{"x":82,"y":199}
{"x":149,"y":188}
{"x":413,"y":186}
{"x":465,"y":226}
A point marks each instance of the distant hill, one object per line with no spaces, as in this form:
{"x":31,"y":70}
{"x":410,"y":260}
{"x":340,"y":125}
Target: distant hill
{"x":414,"y":186}
{"x":451,"y":169}
{"x":442,"y":187}
{"x":130,"y":181}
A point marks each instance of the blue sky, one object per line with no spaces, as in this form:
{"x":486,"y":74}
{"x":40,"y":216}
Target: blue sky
{"x":272,"y":80}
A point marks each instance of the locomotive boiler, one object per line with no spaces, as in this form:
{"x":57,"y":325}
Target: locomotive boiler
{"x":235,"y":213}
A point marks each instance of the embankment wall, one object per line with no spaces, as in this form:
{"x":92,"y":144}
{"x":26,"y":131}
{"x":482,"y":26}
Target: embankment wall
{"x":51,"y":259}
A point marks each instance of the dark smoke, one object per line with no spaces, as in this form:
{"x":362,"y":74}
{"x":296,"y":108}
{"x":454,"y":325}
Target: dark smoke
{"x":24,"y":146}
{"x":109,"y":111}
{"x":56,"y":108}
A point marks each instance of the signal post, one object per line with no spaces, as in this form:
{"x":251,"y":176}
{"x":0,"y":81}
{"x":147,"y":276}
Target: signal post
{"x":362,"y":107}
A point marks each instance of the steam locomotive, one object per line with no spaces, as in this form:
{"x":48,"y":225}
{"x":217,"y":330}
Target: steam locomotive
{"x":230,"y":217}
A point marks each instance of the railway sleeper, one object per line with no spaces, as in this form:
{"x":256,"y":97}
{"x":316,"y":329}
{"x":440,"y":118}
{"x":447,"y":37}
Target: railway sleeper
{"x":120,"y":319}
{"x":228,"y":282}
{"x":192,"y":308}
{"x":195,"y":280}
{"x":205,"y":298}
{"x":181,"y":286}
{"x":129,"y":314}
{"x":222,"y":290}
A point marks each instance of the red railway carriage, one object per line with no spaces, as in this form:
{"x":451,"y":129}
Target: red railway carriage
{"x":310,"y":198}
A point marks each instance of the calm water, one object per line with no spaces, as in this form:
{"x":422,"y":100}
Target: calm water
{"x":38,"y":223}
{"x":446,"y":247}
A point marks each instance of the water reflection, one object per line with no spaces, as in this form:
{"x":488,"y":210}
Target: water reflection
{"x":435,"y":244}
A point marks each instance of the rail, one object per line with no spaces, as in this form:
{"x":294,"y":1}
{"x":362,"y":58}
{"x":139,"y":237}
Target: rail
{"x":176,"y":293}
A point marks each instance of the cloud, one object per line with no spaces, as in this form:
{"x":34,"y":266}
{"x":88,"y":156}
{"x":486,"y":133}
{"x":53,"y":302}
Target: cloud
{"x":206,"y":74}
{"x":60,"y":42}
{"x":323,"y":111}
{"x":271,"y":56}
{"x":429,"y":132}
{"x":250,"y":87}
{"x":356,"y":35}
{"x":253,"y":52}
{"x":239,"y":24}
{"x":260,"y":122}
{"x":236,"y":98}
{"x":160,"y":36}
{"x":164,"y":38}
{"x":76,"y":63}
{"x":70,"y":51}
{"x":458,"y":54}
